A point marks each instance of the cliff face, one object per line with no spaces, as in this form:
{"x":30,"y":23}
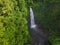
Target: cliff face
{"x":47,"y":13}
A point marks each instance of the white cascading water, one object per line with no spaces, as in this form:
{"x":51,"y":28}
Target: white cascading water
{"x":37,"y":33}
{"x":33,"y":25}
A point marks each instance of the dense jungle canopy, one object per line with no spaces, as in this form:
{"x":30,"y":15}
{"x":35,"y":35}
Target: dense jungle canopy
{"x":14,"y":19}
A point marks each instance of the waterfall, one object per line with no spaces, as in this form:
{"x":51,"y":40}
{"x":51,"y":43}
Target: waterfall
{"x":39,"y":36}
{"x":33,"y":25}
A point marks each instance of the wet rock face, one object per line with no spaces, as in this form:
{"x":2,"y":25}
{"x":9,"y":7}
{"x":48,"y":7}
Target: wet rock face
{"x":38,"y":36}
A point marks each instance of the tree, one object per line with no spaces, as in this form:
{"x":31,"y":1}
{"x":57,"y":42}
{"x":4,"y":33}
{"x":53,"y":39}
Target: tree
{"x":13,"y":23}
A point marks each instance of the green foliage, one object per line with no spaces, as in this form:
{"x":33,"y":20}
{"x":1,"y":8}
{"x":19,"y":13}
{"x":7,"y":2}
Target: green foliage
{"x":13,"y":23}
